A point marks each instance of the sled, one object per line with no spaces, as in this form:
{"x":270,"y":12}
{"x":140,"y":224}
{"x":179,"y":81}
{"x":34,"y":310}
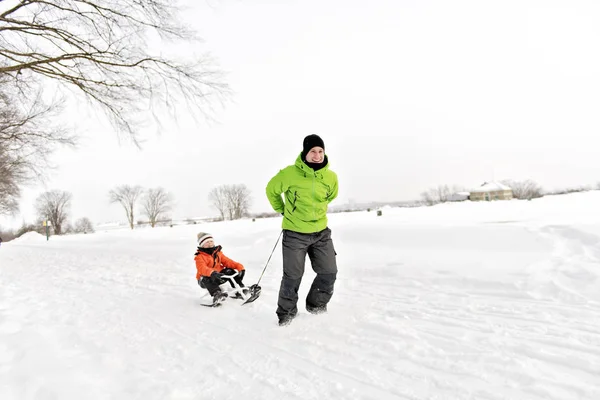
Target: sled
{"x":247,"y":294}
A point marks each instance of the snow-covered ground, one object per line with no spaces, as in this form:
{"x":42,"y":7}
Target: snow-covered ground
{"x":478,"y":301}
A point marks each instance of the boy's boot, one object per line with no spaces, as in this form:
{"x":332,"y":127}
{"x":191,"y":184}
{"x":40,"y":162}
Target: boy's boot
{"x":219,"y":297}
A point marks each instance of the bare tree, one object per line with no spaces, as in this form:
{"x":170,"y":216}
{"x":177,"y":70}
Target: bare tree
{"x":25,"y":129}
{"x":54,"y":207}
{"x":7,"y":235}
{"x":26,"y":141}
{"x":238,"y":200}
{"x":436,"y":195}
{"x":156,"y":203}
{"x":524,"y":190}
{"x":68,"y":229}
{"x":11,"y":175}
{"x":127,"y":197}
{"x":83,"y":225}
{"x":25,"y":228}
{"x":218,"y":198}
{"x":232,"y":201}
{"x":99,"y":49}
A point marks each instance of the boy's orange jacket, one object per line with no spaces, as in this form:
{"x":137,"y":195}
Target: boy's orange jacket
{"x":206,"y":263}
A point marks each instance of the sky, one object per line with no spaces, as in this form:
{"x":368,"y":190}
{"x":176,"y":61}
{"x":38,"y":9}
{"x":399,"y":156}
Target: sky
{"x":407,"y":95}
{"x":459,"y":301}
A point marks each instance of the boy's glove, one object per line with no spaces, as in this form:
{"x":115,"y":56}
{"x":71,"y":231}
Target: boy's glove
{"x":227,"y":271}
{"x":231,"y":271}
{"x":216,"y":277}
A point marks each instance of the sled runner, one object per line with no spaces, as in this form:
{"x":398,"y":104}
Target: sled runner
{"x":247,"y":294}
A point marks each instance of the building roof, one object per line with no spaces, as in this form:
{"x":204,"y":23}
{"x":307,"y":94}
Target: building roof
{"x":491,"y":187}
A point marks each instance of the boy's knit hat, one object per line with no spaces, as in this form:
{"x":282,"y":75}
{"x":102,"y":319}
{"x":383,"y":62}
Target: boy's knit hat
{"x":203,"y":237}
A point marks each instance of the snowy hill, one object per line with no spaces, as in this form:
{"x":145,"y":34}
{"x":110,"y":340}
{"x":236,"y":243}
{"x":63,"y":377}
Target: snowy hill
{"x":497,"y":300}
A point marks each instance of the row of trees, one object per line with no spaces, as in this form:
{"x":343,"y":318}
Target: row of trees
{"x":232,"y":201}
{"x":575,"y":189}
{"x":156,"y":203}
{"x":54,"y":206}
{"x":523,"y":190}
{"x":439,"y":194}
{"x":95,"y":50}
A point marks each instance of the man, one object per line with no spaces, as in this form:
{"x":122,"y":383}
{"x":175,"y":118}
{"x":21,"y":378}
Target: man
{"x":308,"y":186}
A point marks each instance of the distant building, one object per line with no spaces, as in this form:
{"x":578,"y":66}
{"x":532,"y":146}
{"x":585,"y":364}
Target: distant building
{"x":491,"y":191}
{"x":459,"y":196}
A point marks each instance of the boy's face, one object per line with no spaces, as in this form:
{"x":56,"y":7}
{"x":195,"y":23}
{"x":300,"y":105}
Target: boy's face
{"x":208,"y":243}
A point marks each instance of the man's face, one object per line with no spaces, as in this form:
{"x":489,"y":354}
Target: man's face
{"x":316,"y":155}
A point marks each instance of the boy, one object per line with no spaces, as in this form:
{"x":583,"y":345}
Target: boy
{"x":212,"y":264}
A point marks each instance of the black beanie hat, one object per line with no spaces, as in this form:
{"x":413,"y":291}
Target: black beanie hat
{"x":311,"y":141}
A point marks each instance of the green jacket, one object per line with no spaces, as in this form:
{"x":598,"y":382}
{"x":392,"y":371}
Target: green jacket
{"x":307,"y":193}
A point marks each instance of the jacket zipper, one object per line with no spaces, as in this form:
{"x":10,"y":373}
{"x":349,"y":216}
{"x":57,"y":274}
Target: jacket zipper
{"x":314,"y":198}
